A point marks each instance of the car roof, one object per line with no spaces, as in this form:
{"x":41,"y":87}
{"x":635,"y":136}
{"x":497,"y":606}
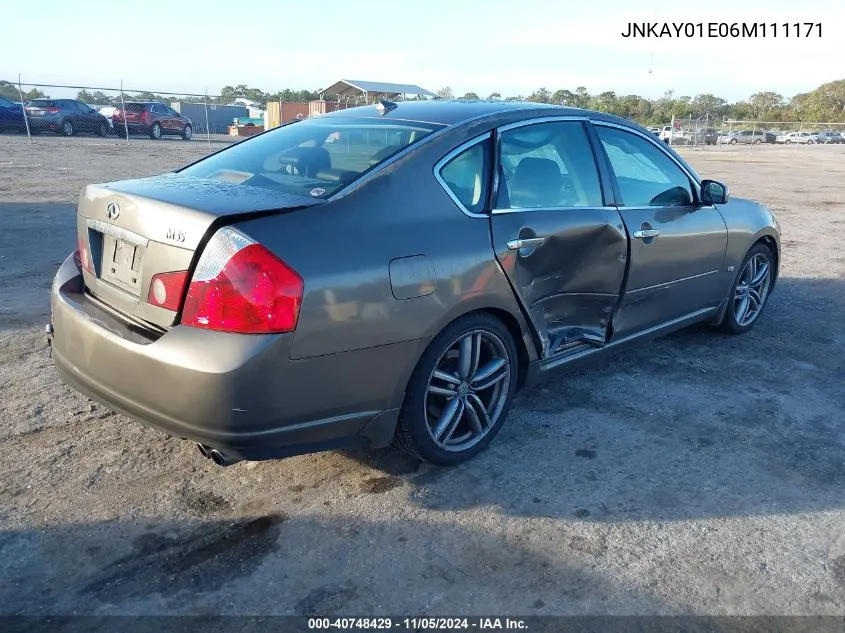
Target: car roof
{"x":454,"y":112}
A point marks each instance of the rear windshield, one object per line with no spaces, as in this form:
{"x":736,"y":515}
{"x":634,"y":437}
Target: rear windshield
{"x":135,"y":107}
{"x":41,"y":103}
{"x":314,"y":157}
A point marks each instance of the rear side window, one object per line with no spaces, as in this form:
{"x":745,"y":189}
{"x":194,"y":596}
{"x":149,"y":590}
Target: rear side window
{"x":645,"y":174}
{"x":466,"y":177}
{"x":547,"y":165}
{"x":314,"y":157}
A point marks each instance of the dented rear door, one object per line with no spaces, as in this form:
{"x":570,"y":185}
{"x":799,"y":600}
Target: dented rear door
{"x":563,"y":250}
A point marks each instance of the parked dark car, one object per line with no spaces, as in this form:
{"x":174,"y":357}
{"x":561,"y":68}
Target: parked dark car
{"x":829,"y":137}
{"x":707,"y":136}
{"x":771,"y":137}
{"x":287,"y":294}
{"x":11,"y":116}
{"x":152,"y":118}
{"x":65,"y":116}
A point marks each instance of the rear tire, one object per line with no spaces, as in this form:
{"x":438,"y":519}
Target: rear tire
{"x":750,"y":290}
{"x":67,"y":128}
{"x":471,"y":369}
{"x":187,"y":133}
{"x":155,"y":131}
{"x":104,"y":129}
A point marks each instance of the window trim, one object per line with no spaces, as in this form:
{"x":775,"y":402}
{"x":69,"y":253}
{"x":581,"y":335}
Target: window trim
{"x":440,"y":164}
{"x":549,"y":119}
{"x":695,"y":183}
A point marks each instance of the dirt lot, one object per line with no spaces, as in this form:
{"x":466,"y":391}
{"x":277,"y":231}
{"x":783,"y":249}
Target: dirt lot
{"x":699,"y":474}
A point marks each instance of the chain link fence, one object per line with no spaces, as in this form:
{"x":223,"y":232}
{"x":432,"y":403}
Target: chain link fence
{"x":706,"y":132}
{"x":77,"y":134}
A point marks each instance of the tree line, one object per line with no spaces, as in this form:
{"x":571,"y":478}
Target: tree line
{"x":824,"y":104}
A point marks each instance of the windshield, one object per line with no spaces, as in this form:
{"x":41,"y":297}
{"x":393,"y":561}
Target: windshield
{"x":5,"y":102}
{"x":314,"y":157}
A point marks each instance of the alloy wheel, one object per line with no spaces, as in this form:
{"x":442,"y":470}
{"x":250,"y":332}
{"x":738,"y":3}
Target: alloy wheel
{"x":67,"y":128}
{"x":467,"y":390}
{"x":752,"y":289}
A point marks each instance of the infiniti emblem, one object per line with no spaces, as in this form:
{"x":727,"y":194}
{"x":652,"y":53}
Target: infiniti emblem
{"x":113,"y":211}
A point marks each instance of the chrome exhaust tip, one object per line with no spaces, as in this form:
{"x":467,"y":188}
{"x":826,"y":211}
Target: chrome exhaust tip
{"x":222,"y":460}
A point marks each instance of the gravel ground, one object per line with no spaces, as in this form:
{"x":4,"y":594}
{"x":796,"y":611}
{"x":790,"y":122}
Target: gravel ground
{"x":701,"y":474}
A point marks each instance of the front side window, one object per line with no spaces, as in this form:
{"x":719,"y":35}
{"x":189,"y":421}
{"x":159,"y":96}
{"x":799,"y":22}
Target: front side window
{"x":547,"y":165}
{"x":645,"y":174}
{"x":467,"y":176}
{"x":313,"y":157}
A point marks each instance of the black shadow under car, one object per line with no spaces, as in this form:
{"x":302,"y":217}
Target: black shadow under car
{"x":394,"y":273}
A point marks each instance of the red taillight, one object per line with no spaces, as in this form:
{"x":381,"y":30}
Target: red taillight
{"x":53,"y":110}
{"x":166,"y":289}
{"x":83,"y":255}
{"x":240,"y":286}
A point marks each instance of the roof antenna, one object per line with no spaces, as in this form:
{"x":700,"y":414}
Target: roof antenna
{"x":384,"y":106}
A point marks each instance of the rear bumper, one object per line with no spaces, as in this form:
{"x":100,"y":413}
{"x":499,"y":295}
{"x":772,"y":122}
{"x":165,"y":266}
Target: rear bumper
{"x":44,"y":123}
{"x":134,"y":128}
{"x":237,"y":393}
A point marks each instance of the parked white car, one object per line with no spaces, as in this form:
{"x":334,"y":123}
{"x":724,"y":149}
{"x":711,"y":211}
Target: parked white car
{"x":796,"y":137}
{"x":674,"y":137}
{"x":108,"y":111}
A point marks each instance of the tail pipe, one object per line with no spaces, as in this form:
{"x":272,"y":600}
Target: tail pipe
{"x":222,"y":460}
{"x":216,"y":456}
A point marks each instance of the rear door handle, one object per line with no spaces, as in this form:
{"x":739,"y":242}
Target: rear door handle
{"x":645,"y":233}
{"x":529,"y":242}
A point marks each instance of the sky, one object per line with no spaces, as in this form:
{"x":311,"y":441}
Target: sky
{"x":508,"y":46}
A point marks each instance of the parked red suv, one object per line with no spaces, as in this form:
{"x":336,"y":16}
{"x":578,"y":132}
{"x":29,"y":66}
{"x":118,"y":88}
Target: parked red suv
{"x":151,"y":117}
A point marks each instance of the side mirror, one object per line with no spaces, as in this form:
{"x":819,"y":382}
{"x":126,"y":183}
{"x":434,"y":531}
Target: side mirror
{"x":714,"y":192}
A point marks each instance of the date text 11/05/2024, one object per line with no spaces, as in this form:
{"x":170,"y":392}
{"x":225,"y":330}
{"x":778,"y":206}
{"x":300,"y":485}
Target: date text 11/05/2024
{"x":723,"y":29}
{"x":417,"y":624}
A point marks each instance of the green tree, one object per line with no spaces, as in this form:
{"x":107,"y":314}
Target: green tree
{"x":97,"y":97}
{"x":10,"y":91}
{"x":445,"y":93}
{"x":763,"y":102}
{"x":708,"y":105}
{"x":540,"y":96}
{"x":471,"y":96}
{"x":563,"y":97}
{"x":582,"y":97}
{"x":495,"y":95}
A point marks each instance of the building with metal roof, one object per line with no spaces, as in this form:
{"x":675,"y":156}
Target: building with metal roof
{"x":369,"y":91}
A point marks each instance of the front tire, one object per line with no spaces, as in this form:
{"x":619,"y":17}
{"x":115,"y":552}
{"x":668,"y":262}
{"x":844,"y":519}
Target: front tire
{"x":155,"y":131}
{"x":733,"y":141}
{"x":460,"y":392}
{"x":751,"y":290}
{"x":187,"y":133}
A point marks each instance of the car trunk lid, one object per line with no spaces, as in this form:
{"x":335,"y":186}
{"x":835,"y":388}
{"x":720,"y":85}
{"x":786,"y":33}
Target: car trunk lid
{"x":133,"y":230}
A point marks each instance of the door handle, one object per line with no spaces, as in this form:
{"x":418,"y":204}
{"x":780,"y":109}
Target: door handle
{"x":646,"y":233}
{"x":529,"y":242}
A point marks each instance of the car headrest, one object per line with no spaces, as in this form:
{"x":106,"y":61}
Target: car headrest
{"x":307,"y":160}
{"x":537,"y":182}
